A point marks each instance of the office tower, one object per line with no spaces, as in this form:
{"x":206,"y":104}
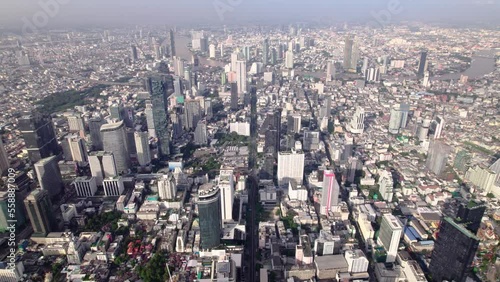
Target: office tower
{"x":75,"y":124}
{"x":470,"y":215}
{"x":115,"y":111}
{"x":39,"y":136}
{"x":49,"y":176}
{"x":289,"y":60}
{"x":351,"y":54}
{"x":209,"y":216}
{"x":437,"y":156}
{"x":77,"y":148}
{"x":454,"y":251}
{"x":241,"y":77}
{"x":422,"y":64}
{"x":102,"y":165}
{"x":150,"y":119}
{"x":142,"y":147}
{"x":5,"y":206}
{"x":246,"y":53}
{"x":274,"y":56}
{"x":4,"y":159}
{"x":133,"y":53}
{"x":113,"y":186}
{"x":330,"y":193}
{"x":226,"y":187}
{"x":115,"y":141}
{"x":85,"y":186}
{"x":311,"y":140}
{"x":178,"y":86}
{"x":167,"y":188}
{"x":209,"y":111}
{"x":192,"y":114}
{"x":176,"y":119}
{"x":172,"y":43}
{"x":386,"y":185}
{"x":200,"y":133}
{"x":390,"y":235}
{"x":330,"y":71}
{"x":399,"y":118}
{"x":290,"y":166}
{"x":326,"y":107}
{"x":357,"y":125}
{"x":426,"y":82}
{"x":39,"y":208}
{"x":95,"y":124}
{"x":265,"y":51}
{"x":178,"y":66}
{"x":294,"y":124}
{"x":234,"y":96}
{"x":212,"y":51}
{"x":438,"y":125}
{"x":158,"y":92}
{"x":234,"y":59}
{"x":423,"y":130}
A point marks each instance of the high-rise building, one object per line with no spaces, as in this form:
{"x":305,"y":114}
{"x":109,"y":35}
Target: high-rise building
{"x":454,"y":251}
{"x":133,"y":53}
{"x":470,"y":215}
{"x":294,"y":123}
{"x":167,"y":188}
{"x":234,"y":59}
{"x":437,"y":156}
{"x":330,"y":71}
{"x":241,"y":77}
{"x":330,"y":193}
{"x":200,"y":133}
{"x":351,"y":55}
{"x":234,"y":96}
{"x":158,"y":92}
{"x":390,"y":235}
{"x":209,"y":214}
{"x":78,"y":149}
{"x":289,"y":60}
{"x":178,"y":87}
{"x":172,"y":43}
{"x":115,"y":141}
{"x":290,"y":166}
{"x":482,"y":177}
{"x":326,"y":108}
{"x":265,"y":51}
{"x":4,"y":159}
{"x":142,"y":147}
{"x":178,"y":66}
{"x":75,"y":124}
{"x":212,"y":51}
{"x":437,"y":126}
{"x":85,"y":186}
{"x":49,"y":176}
{"x":226,"y":187}
{"x":115,"y":111}
{"x":102,"y":165}
{"x":422,"y":64}
{"x":311,"y":140}
{"x":150,"y":122}
{"x":39,"y":208}
{"x":399,"y":118}
{"x":357,"y":125}
{"x":386,"y":185}
{"x":356,"y":261}
{"x":95,"y":124}
{"x":113,"y":186}
{"x":6,"y":211}
{"x":192,"y":114}
{"x":39,"y":136}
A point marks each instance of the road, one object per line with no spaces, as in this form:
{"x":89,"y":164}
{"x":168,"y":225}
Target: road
{"x":253,"y":186}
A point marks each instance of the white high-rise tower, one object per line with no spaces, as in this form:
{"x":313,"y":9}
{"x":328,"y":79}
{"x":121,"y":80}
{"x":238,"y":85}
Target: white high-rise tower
{"x":226,"y":186}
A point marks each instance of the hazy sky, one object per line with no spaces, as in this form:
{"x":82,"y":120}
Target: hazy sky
{"x":14,"y":13}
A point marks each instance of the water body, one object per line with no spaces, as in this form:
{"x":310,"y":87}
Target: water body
{"x":483,"y":63}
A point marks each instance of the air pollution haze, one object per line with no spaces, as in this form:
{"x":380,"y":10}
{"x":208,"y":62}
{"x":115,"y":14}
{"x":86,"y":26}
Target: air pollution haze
{"x":71,"y":13}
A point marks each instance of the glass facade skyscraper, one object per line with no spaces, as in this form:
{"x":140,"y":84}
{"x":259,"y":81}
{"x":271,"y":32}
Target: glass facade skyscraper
{"x":158,"y":92}
{"x":209,"y":213}
{"x":39,"y":208}
{"x":39,"y":136}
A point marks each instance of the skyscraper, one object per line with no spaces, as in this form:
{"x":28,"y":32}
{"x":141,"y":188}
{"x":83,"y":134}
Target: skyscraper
{"x":453,"y":253}
{"x":234,"y":96}
{"x":226,"y":187}
{"x":330,"y":71}
{"x":166,"y":187}
{"x":39,"y":208}
{"x":422,"y":64}
{"x":115,"y":141}
{"x":209,"y":214}
{"x":172,"y":43}
{"x":390,"y":235}
{"x":241,"y":77}
{"x":311,"y":140}
{"x":470,"y":215}
{"x":75,"y":124}
{"x":49,"y":176}
{"x":192,"y":114}
{"x":78,"y":149}
{"x":158,"y":92}
{"x":437,"y":156}
{"x":133,"y":53}
{"x":290,"y":166}
{"x":102,"y":165}
{"x":142,"y":147}
{"x":437,"y":126}
{"x":357,"y":125}
{"x":294,"y":124}
{"x":95,"y":124}
{"x":399,"y":118}
{"x":200,"y":133}
{"x":212,"y":51}
{"x":265,"y":51}
{"x":386,"y":185}
{"x":351,"y":54}
{"x":330,"y":192}
{"x":4,"y":158}
{"x":289,"y":60}
{"x":39,"y":136}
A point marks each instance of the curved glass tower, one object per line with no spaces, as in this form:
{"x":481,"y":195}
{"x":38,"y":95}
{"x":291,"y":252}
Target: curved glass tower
{"x":210,"y":216}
